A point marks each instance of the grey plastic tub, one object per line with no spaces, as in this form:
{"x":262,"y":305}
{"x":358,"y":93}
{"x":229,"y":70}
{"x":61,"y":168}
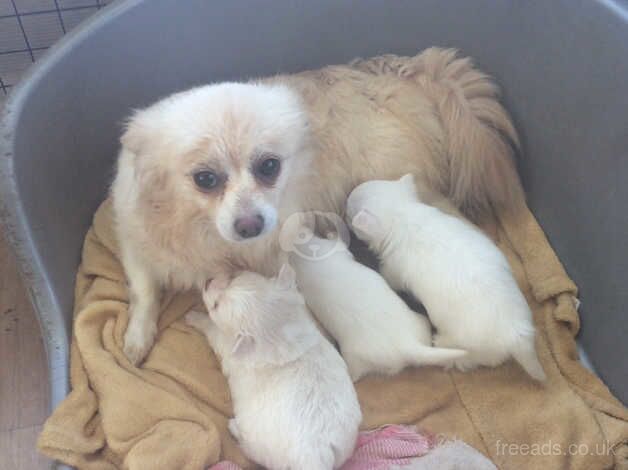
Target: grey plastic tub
{"x":563,"y":65}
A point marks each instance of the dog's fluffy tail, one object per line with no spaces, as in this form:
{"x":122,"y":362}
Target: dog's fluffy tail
{"x":525,"y":354}
{"x":480,"y":135}
{"x":423,"y":355}
{"x":480,"y":138}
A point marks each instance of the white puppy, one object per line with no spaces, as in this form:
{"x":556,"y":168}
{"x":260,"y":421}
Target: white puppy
{"x":294,"y":404}
{"x":458,"y":273}
{"x":375,"y":329}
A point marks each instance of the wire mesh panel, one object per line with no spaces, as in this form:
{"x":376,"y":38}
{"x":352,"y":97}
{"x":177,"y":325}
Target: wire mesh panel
{"x":29,"y":27}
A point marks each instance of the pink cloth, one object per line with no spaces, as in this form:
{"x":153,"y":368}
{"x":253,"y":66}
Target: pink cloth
{"x":392,"y":445}
{"x":225,"y":465}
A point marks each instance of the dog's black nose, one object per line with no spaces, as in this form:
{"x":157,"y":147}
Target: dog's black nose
{"x":249,"y":226}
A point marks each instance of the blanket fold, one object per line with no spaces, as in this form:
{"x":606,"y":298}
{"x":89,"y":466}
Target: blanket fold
{"x":173,"y":411}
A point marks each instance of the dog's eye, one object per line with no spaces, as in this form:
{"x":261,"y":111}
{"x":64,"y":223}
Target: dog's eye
{"x":206,"y":180}
{"x":267,"y":169}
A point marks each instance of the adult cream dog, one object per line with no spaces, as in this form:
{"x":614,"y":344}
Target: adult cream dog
{"x":205,"y":176}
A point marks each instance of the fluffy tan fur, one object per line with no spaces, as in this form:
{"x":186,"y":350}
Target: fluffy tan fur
{"x":432,"y":115}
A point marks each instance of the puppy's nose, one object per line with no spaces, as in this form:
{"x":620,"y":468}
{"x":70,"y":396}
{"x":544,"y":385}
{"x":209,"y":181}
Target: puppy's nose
{"x":249,"y":226}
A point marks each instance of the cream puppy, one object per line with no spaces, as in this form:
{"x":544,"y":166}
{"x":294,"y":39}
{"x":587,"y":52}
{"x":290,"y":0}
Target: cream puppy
{"x":375,"y":329}
{"x":205,"y":176}
{"x":457,"y":272}
{"x":294,"y":404}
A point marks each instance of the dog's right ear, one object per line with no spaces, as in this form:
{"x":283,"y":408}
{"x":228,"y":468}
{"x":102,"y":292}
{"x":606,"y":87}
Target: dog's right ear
{"x":135,"y":134}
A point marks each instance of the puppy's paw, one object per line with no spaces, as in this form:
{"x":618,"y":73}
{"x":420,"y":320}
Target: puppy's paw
{"x":139,"y":339}
{"x":441,"y":341}
{"x":233,"y":429}
{"x":197,"y":320}
{"x":465,"y":364}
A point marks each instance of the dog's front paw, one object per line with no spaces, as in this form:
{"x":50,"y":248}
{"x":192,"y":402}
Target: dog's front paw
{"x":464,"y":364}
{"x":197,"y":320}
{"x":139,"y":339}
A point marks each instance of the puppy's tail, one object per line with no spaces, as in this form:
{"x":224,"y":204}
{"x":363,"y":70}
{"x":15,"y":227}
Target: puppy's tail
{"x":430,"y":356}
{"x":479,"y":136}
{"x":525,"y":354}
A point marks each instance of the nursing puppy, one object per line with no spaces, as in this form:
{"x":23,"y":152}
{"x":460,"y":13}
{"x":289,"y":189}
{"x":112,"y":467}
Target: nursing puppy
{"x":456,"y":271}
{"x":205,"y":176}
{"x":375,"y":329}
{"x":294,"y":404}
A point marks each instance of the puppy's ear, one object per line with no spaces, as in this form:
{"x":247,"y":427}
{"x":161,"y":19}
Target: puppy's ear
{"x":244,"y":345}
{"x":408,"y":181}
{"x":368,"y":223}
{"x":287,"y":277}
{"x":220,"y":282}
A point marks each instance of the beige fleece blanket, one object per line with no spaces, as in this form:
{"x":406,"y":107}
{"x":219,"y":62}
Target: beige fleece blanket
{"x":172,"y":412}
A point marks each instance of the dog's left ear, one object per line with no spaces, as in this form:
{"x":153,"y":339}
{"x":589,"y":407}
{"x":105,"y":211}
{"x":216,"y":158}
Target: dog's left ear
{"x":408,"y":181}
{"x":244,"y":345}
{"x":287,"y":277}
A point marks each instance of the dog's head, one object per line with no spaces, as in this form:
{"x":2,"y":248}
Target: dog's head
{"x":264,"y":316}
{"x":219,"y":157}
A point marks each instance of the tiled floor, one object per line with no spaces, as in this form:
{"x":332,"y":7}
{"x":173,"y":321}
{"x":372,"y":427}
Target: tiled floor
{"x":29,"y":27}
{"x":23,"y":375}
